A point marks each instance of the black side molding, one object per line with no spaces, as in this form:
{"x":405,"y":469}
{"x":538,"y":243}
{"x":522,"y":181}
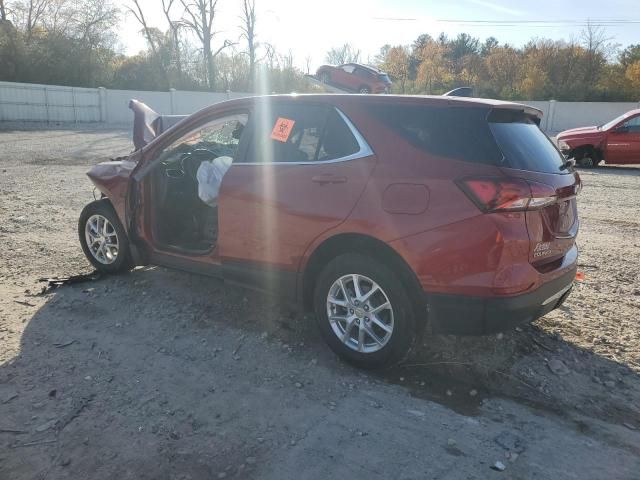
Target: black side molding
{"x":465,"y":315}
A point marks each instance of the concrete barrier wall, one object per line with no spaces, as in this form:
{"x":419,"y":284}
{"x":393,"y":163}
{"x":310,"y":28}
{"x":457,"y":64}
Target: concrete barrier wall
{"x":57,"y":104}
{"x":47,"y":103}
{"x":584,"y":114}
{"x":51,"y":103}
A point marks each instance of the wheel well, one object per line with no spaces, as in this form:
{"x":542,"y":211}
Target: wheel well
{"x":580,"y":151}
{"x":358,"y":243}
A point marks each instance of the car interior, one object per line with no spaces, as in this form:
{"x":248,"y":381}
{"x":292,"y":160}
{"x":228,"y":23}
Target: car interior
{"x":182,"y":219}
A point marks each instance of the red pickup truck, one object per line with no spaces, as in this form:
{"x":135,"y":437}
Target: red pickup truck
{"x":615,"y":142}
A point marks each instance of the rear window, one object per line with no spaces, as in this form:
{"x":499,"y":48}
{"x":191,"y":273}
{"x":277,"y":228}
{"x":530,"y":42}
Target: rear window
{"x":449,"y":132}
{"x":523,"y":144}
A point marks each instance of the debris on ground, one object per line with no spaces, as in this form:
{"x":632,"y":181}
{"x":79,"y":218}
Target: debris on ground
{"x":25,"y":303}
{"x":499,"y":466}
{"x":510,"y":442}
{"x":55,"y":282}
{"x":558,"y":367}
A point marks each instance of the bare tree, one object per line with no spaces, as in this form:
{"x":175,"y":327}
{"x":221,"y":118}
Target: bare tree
{"x":248,"y":28}
{"x":139,"y":14}
{"x":598,"y":47}
{"x":3,"y":12}
{"x":174,"y":27}
{"x":307,"y":64}
{"x":199,"y":16}
{"x":60,"y":17}
{"x":270,"y":55}
{"x":93,"y":22}
{"x":344,"y":54}
{"x":35,"y":9}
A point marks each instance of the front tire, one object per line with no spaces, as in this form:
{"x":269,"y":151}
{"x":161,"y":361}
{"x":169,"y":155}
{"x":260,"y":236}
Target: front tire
{"x":363,"y":311}
{"x":364,"y":90}
{"x":103,"y":238}
{"x":589,"y":159}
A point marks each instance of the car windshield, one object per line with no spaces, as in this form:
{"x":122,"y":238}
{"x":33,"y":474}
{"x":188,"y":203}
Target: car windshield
{"x":614,"y":122}
{"x":384,"y":77}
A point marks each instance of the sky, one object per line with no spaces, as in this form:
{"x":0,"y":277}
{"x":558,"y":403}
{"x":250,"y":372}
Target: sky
{"x":310,"y":28}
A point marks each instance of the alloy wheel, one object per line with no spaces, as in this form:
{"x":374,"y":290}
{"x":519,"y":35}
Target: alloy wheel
{"x":360,"y":313}
{"x":102,"y":239}
{"x":587,"y":162}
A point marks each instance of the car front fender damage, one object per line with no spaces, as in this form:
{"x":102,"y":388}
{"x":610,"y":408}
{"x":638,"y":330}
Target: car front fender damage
{"x":112,"y":179}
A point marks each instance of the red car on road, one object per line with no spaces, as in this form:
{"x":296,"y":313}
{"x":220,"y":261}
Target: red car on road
{"x":355,"y":77}
{"x":616,"y":142}
{"x":385,"y":215}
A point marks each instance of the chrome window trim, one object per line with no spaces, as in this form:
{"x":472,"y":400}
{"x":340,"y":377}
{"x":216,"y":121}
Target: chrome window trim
{"x":364,"y":149}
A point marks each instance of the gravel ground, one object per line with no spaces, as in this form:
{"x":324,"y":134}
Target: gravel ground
{"x":164,"y":375}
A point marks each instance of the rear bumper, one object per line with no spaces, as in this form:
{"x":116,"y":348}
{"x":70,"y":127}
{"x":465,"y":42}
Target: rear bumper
{"x":465,"y":315}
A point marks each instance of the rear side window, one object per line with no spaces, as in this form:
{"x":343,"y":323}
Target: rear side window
{"x":299,"y":133}
{"x":523,"y":144}
{"x":457,"y":133}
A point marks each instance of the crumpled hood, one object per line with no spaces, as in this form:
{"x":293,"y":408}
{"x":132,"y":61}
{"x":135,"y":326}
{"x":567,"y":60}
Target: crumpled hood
{"x":143,"y":118}
{"x":582,"y":136}
{"x":578,"y":131}
{"x":148,"y":124}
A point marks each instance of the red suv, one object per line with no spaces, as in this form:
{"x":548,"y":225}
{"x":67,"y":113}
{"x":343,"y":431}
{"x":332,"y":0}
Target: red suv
{"x":382,"y":214}
{"x":355,"y":77}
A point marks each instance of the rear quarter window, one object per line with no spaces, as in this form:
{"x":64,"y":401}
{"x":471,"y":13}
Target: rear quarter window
{"x":447,"y":132}
{"x":523,"y":144}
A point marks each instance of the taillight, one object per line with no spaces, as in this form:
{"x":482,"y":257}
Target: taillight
{"x":507,"y":194}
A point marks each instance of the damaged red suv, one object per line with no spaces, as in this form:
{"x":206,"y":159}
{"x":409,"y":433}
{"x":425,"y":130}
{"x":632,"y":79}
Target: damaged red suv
{"x":387,"y":216}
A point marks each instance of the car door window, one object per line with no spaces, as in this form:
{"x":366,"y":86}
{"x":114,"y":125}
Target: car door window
{"x":348,"y":68}
{"x":362,"y":73}
{"x":220,"y":137}
{"x":300,"y":134}
{"x":632,"y":126}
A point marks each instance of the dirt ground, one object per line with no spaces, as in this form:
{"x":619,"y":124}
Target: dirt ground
{"x":159,"y":374}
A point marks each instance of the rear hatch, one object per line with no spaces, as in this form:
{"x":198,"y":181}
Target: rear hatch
{"x":529,"y":155}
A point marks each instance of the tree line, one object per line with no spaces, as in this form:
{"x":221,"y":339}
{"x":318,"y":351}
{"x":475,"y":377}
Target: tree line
{"x":75,"y":42}
{"x":590,"y":68}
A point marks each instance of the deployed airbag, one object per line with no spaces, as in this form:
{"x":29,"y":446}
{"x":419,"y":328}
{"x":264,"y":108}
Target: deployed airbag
{"x":209,"y":177}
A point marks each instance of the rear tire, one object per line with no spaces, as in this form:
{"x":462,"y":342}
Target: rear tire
{"x":388,"y":334}
{"x":364,"y":90}
{"x":103,"y":238}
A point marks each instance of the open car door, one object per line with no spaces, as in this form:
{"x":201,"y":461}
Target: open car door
{"x":166,"y":214}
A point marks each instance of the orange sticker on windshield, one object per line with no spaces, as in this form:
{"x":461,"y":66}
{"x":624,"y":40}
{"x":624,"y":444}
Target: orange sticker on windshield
{"x":282,"y":129}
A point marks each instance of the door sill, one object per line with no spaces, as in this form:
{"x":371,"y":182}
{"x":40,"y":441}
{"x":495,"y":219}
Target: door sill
{"x":179,"y":261}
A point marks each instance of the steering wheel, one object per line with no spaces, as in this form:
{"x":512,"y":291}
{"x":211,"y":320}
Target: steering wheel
{"x":190,"y":161}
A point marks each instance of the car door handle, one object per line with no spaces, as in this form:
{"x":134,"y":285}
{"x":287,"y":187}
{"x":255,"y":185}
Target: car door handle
{"x":323,"y":179}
